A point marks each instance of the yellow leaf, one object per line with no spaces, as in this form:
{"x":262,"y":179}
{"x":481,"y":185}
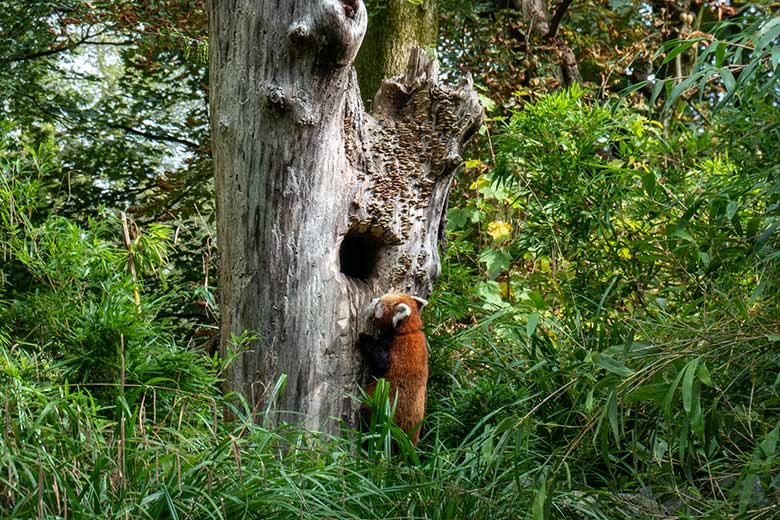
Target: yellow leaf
{"x":499,"y":230}
{"x":477,"y":184}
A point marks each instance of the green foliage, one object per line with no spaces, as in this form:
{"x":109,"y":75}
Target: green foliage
{"x":623,"y":336}
{"x":740,"y":59}
{"x":120,"y":86}
{"x":68,"y":292}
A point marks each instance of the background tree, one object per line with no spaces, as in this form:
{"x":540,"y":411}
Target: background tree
{"x":119,"y":90}
{"x":121,"y":86}
{"x":320,"y":205}
{"x":395,"y":27}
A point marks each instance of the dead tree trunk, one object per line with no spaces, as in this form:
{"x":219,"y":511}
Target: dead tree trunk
{"x":320,"y":206}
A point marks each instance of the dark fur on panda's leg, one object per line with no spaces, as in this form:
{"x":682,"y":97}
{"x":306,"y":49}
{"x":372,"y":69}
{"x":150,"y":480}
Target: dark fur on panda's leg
{"x":376,"y":350}
{"x":364,"y":424}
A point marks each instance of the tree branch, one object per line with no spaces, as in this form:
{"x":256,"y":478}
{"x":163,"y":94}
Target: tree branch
{"x":154,"y":137}
{"x":118,"y":44}
{"x":64,"y":121}
{"x":54,"y":50}
{"x":41,"y":54}
{"x":556,"y":19}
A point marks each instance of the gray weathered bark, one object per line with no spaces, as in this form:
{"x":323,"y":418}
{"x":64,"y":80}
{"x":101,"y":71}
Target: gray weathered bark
{"x":320,"y":206}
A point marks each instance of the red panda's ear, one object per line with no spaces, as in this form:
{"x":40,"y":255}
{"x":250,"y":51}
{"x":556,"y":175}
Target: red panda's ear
{"x":421,"y":302}
{"x":402,"y":311}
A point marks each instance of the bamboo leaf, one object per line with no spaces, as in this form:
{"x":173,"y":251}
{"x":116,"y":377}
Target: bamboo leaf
{"x":611,"y":365}
{"x":769,"y":444}
{"x":678,"y":90}
{"x":659,"y":86}
{"x":704,"y":374}
{"x":728,"y":80}
{"x":649,"y":183}
{"x":648,"y":392}
{"x":748,"y":484}
{"x":670,"y":394}
{"x":768,"y":33}
{"x":612,"y":414}
{"x":533,"y":321}
{"x":676,"y":51}
{"x":687,"y":387}
{"x":720,"y":54}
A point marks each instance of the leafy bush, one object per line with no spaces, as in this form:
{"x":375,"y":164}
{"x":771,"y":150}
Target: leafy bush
{"x":623,"y":338}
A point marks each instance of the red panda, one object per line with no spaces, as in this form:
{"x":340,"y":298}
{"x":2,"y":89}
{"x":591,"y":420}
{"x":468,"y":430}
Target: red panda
{"x":400,"y":356}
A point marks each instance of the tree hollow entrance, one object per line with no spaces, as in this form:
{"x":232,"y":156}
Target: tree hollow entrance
{"x":359,"y":253}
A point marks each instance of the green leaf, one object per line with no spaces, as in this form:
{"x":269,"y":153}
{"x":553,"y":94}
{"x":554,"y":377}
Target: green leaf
{"x":649,"y":183}
{"x":681,"y":233}
{"x":731,"y":209}
{"x":486,"y":102}
{"x":728,"y":80}
{"x":681,"y":47}
{"x":682,"y":440}
{"x":497,"y":261}
{"x":769,"y":444}
{"x":536,"y":299}
{"x":533,"y":321}
{"x":457,"y":217}
{"x":748,"y":484}
{"x":775,"y":57}
{"x":612,"y":413}
{"x":687,"y":387}
{"x":768,"y":33}
{"x":678,"y":90}
{"x":720,"y":54}
{"x":659,"y":86}
{"x":540,"y":509}
{"x":611,"y":365}
{"x":628,"y":344}
{"x":758,"y":291}
{"x":647,"y":392}
{"x":660,"y":447}
{"x":704,"y":374}
{"x":670,"y":394}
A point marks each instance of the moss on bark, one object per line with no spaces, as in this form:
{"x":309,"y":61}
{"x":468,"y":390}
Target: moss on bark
{"x":395,"y":27}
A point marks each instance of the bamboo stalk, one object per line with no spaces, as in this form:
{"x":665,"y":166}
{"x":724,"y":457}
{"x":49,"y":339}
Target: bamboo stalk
{"x":131,"y":262}
{"x":122,"y":433}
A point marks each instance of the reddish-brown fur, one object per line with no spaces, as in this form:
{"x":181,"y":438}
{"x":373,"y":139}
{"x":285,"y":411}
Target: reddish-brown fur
{"x":407,"y":370}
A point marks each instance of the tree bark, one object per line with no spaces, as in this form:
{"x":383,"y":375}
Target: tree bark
{"x":320,"y":206}
{"x":395,"y":28}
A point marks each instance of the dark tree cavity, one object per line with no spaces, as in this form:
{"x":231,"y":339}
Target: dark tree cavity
{"x":321,"y":206}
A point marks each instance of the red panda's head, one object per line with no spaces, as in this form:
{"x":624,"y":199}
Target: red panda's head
{"x":397,"y":312}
